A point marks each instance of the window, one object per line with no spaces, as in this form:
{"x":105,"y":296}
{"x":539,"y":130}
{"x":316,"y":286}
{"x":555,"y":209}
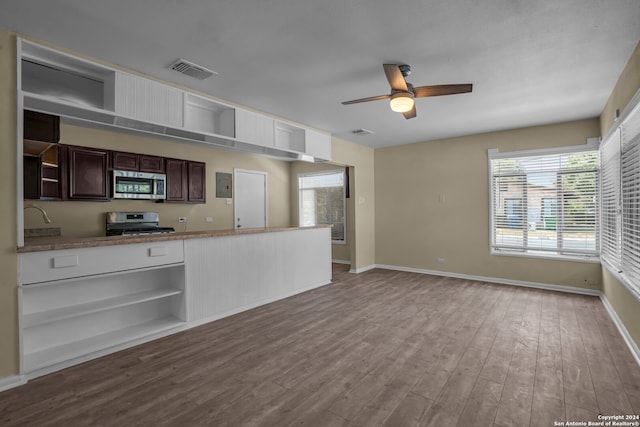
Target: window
{"x":322,"y":201}
{"x":545,"y":202}
{"x":620,"y":194}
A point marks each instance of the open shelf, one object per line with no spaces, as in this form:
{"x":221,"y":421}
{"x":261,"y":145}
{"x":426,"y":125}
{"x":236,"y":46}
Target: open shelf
{"x":67,"y":351}
{"x":47,"y":316}
{"x":289,"y":137}
{"x":206,"y":115}
{"x":77,"y":318}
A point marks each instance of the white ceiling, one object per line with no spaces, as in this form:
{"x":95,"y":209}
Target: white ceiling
{"x":530,"y":62}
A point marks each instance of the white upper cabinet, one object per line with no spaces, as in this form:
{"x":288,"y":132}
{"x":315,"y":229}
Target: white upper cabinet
{"x":254,"y":128}
{"x":78,"y":89}
{"x":59,"y":77}
{"x":317,"y":144}
{"x":147,"y":100}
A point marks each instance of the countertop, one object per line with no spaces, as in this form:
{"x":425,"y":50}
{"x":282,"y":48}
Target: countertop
{"x":37,"y":244}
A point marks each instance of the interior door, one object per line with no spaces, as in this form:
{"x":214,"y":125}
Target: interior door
{"x":250,"y":198}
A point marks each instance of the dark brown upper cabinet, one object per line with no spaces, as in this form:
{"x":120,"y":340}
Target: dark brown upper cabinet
{"x":197,"y":172}
{"x":152,"y":164}
{"x":41,"y":127}
{"x":32,"y":170}
{"x":88,"y":173}
{"x":186,"y":181}
{"x":176,"y":171}
{"x":137,"y":162}
{"x":41,"y":134}
{"x":125,"y":161}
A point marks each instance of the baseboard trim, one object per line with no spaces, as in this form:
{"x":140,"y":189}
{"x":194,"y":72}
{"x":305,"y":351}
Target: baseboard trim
{"x":635,"y":351}
{"x":363,"y":269}
{"x":341,"y":261}
{"x":11,"y":382}
{"x":522,"y":283}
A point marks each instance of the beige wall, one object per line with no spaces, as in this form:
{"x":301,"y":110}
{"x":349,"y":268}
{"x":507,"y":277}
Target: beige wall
{"x":432,"y":201}
{"x":626,"y":87}
{"x":8,"y":241}
{"x":79,"y":218}
{"x":626,"y":306}
{"x":362,"y":202}
{"x":340,"y":252}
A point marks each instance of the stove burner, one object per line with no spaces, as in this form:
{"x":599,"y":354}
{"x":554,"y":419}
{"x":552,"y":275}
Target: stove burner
{"x":140,"y":231}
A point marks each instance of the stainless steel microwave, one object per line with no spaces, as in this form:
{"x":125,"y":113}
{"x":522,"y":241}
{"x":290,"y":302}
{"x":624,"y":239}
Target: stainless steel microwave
{"x":139,"y":185}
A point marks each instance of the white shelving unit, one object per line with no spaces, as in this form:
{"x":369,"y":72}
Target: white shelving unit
{"x":92,"y":94}
{"x":75,"y":315}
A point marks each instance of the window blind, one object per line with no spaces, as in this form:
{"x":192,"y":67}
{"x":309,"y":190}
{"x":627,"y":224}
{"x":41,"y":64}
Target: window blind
{"x":610,"y":199}
{"x":620,"y":194}
{"x":630,"y":189}
{"x":322,"y":201}
{"x":545,"y":203}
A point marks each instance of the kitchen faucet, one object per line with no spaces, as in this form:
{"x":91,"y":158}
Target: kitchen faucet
{"x":45,"y":217}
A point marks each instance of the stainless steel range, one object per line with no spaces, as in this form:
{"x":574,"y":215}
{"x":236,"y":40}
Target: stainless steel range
{"x":134,"y":223}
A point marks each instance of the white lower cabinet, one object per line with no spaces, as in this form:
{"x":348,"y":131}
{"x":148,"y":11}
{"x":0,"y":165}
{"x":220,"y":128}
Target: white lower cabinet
{"x":73,"y":319}
{"x":231,"y":274}
{"x":79,"y":304}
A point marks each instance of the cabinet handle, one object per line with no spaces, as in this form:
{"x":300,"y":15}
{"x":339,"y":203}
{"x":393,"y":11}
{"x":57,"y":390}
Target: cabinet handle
{"x":158,"y":251}
{"x":65,"y":261}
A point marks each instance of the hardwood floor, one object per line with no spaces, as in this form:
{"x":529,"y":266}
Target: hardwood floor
{"x":378,"y":348}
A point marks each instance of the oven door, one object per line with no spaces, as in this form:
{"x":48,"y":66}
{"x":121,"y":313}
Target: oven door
{"x":138,"y":185}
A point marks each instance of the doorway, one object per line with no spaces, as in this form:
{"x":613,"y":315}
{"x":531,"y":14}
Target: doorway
{"x":250,"y":198}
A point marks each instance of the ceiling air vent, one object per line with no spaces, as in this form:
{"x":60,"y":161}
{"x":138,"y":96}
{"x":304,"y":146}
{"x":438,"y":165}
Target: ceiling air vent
{"x":362,"y":132}
{"x":192,"y":70}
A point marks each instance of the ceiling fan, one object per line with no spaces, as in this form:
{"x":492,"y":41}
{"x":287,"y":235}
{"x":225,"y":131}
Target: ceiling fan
{"x":403,"y":93}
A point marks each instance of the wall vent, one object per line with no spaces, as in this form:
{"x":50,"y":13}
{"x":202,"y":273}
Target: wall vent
{"x":362,"y":132}
{"x":192,"y":70}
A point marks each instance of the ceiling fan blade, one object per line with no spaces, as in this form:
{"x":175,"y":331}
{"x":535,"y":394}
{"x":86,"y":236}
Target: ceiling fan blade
{"x":411,"y":113}
{"x":438,"y":90}
{"x":395,"y":77}
{"x":371,"y":98}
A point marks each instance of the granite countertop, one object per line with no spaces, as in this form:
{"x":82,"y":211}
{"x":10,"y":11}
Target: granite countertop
{"x":51,"y":243}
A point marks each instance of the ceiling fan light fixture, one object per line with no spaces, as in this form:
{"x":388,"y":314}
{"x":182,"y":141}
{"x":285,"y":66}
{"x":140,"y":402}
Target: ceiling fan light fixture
{"x":401,"y":102}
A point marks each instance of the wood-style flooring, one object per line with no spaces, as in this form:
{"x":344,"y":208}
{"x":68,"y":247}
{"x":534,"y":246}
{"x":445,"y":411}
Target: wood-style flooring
{"x":378,"y":348}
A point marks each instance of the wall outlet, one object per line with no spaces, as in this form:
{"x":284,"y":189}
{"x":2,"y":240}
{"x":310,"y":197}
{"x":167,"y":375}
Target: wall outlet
{"x":440,"y":260}
{"x":182,"y":219}
{"x":208,"y":219}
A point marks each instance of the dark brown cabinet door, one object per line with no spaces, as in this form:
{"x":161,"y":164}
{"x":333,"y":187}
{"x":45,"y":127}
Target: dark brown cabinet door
{"x":151,"y":164}
{"x":88,"y":173}
{"x":197,"y":172}
{"x":125,"y":161}
{"x":41,"y":127}
{"x":137,"y":162}
{"x":31,"y":169}
{"x":176,"y":171}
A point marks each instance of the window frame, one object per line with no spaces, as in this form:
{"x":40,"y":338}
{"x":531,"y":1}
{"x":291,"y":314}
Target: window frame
{"x":344,"y":199}
{"x":494,"y":154}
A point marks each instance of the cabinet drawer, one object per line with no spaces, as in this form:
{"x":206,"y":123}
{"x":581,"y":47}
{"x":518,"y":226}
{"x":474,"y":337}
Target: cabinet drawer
{"x":46,"y":266}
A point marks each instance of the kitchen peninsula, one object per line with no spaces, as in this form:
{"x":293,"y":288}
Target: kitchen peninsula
{"x":82,"y":298}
